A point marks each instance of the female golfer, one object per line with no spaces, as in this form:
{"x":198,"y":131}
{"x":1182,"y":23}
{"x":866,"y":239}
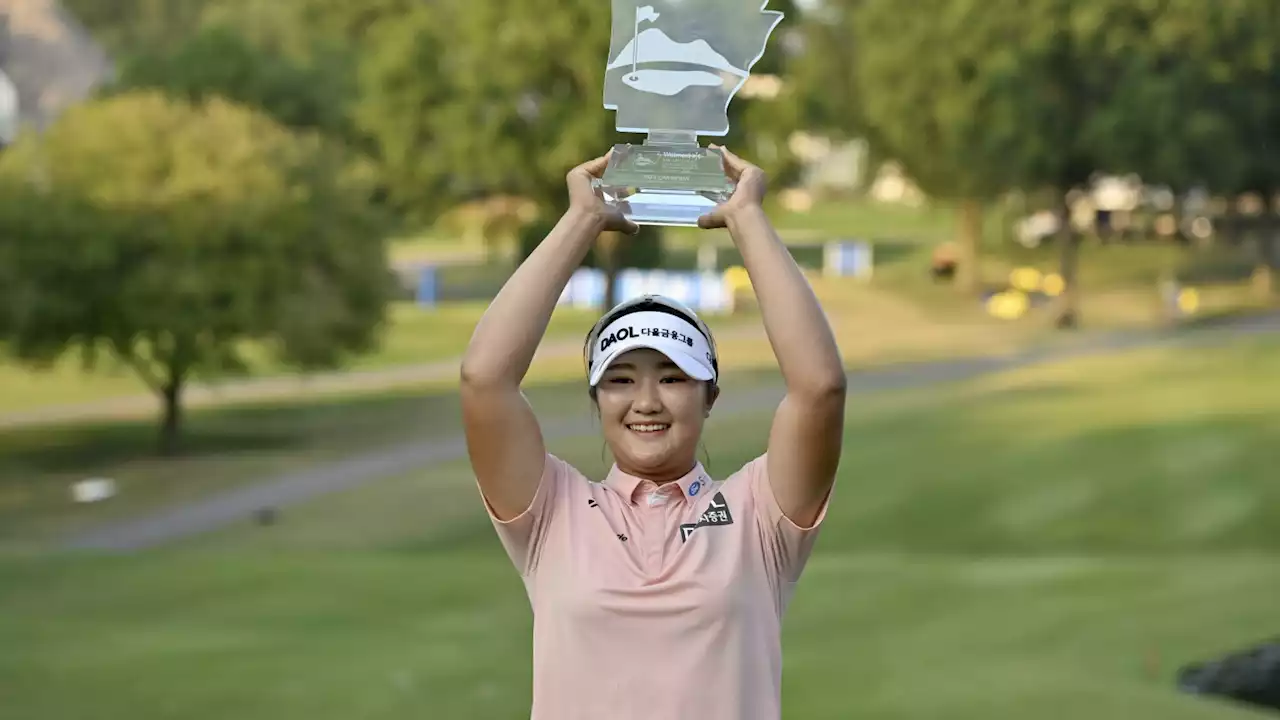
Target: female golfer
{"x":659,"y":593}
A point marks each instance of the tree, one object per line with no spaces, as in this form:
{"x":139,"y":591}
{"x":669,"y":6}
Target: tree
{"x":293,"y":58}
{"x":1175,"y":92}
{"x":1243,"y":71}
{"x":182,"y":238}
{"x":124,"y":24}
{"x":218,"y":61}
{"x":468,"y":100}
{"x":937,"y":87}
{"x":979,"y":98}
{"x":827,"y":86}
{"x":1049,"y":93}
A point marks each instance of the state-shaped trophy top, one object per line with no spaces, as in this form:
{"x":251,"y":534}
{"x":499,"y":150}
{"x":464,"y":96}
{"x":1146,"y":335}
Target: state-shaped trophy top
{"x":675,"y":65}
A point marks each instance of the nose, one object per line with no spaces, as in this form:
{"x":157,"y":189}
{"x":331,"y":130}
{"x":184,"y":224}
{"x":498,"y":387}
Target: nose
{"x":647,"y":399}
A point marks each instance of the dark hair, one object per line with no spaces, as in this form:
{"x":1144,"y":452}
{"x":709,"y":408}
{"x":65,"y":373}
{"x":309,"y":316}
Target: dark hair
{"x":650,"y":303}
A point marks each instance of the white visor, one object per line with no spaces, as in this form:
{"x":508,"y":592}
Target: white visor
{"x":672,"y":336}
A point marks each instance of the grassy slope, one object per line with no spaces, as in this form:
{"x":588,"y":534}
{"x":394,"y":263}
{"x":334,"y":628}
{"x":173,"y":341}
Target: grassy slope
{"x":1049,"y":543}
{"x":413,"y":336}
{"x":233,"y":444}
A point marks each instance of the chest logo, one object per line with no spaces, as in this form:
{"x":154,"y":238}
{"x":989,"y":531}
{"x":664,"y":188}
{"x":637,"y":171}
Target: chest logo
{"x":717,"y":513}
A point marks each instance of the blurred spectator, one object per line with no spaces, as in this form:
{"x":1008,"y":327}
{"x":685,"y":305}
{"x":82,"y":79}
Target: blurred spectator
{"x":943,"y":264}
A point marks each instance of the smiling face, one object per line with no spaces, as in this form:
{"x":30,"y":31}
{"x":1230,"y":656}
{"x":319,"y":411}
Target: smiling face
{"x":652,"y":414}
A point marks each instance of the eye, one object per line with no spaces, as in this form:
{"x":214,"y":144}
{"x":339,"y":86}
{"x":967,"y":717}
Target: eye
{"x":674,"y":379}
{"x":618,"y":380}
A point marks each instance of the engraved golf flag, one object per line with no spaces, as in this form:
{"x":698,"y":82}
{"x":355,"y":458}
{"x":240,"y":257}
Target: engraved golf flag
{"x":672,"y":71}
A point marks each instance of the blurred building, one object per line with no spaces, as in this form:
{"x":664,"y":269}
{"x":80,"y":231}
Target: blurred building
{"x":48,"y":62}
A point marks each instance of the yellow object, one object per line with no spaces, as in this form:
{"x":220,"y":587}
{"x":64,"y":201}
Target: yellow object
{"x":1008,"y":305}
{"x":1189,"y":301}
{"x":736,"y":278}
{"x":1026,"y":279}
{"x":1053,"y":284}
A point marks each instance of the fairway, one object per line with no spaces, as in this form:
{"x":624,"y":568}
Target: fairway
{"x":1051,"y":542}
{"x":411,"y":336}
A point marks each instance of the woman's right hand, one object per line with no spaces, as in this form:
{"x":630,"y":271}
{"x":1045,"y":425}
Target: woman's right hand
{"x":583,"y":198}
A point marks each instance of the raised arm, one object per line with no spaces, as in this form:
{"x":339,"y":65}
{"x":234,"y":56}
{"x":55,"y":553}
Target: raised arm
{"x":808,"y":427}
{"x":504,"y":441}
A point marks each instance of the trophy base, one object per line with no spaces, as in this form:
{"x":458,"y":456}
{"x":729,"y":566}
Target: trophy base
{"x":661,"y":184}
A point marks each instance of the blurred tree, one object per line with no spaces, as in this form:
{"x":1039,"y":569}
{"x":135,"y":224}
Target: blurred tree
{"x":978,"y":98}
{"x":1180,"y":93}
{"x":467,"y":100}
{"x":761,"y":126}
{"x":177,"y":236}
{"x":1174,"y":93}
{"x":1244,"y":69}
{"x":292,"y":58}
{"x":219,"y":61}
{"x":121,"y":25}
{"x":937,"y":87}
{"x":826,"y":85}
{"x":1048,"y":93}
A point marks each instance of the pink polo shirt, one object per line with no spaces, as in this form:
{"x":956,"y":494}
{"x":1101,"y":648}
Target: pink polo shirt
{"x":657,"y":603}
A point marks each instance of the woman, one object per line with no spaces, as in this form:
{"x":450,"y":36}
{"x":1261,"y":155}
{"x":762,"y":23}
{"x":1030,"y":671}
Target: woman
{"x":659,"y":593}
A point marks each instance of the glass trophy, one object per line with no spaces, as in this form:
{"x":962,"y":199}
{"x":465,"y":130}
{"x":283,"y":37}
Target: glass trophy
{"x":674,"y":66}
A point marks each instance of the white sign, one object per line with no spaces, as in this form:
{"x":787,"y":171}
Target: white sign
{"x":8,"y":110}
{"x":93,"y":490}
{"x":701,"y":291}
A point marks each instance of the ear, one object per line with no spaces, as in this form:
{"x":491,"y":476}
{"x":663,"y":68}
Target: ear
{"x":713,"y":393}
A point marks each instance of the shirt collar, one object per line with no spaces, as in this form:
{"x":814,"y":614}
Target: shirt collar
{"x":692,"y":484}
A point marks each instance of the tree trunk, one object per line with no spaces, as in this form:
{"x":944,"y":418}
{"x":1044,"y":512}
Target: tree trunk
{"x":1263,"y":278}
{"x":608,"y":259}
{"x":968,"y":271}
{"x":170,"y":425}
{"x":1068,"y":267}
{"x":1264,"y":271}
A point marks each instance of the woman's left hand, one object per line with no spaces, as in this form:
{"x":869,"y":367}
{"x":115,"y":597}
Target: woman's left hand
{"x":748,"y":193}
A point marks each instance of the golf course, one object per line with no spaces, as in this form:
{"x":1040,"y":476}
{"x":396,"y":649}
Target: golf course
{"x":246,"y":245}
{"x":1051,"y":540}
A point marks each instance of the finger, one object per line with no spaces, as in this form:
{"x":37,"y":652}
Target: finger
{"x":596,"y":166}
{"x":733,"y":165}
{"x":623,"y":224}
{"x":710,"y":221}
{"x":727,"y":153}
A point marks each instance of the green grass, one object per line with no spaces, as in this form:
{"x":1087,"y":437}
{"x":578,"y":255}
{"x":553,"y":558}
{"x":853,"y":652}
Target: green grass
{"x":1118,"y":282}
{"x":1052,"y":542}
{"x":223,"y":447}
{"x":1151,"y":452}
{"x":228,"y":444}
{"x":414,"y":335}
{"x":852,"y":218}
{"x":421,"y":335}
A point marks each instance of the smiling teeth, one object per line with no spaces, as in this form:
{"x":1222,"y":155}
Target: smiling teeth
{"x":648,"y":428}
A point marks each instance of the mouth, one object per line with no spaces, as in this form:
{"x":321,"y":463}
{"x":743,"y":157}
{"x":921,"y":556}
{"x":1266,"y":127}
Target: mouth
{"x":649,"y":428}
